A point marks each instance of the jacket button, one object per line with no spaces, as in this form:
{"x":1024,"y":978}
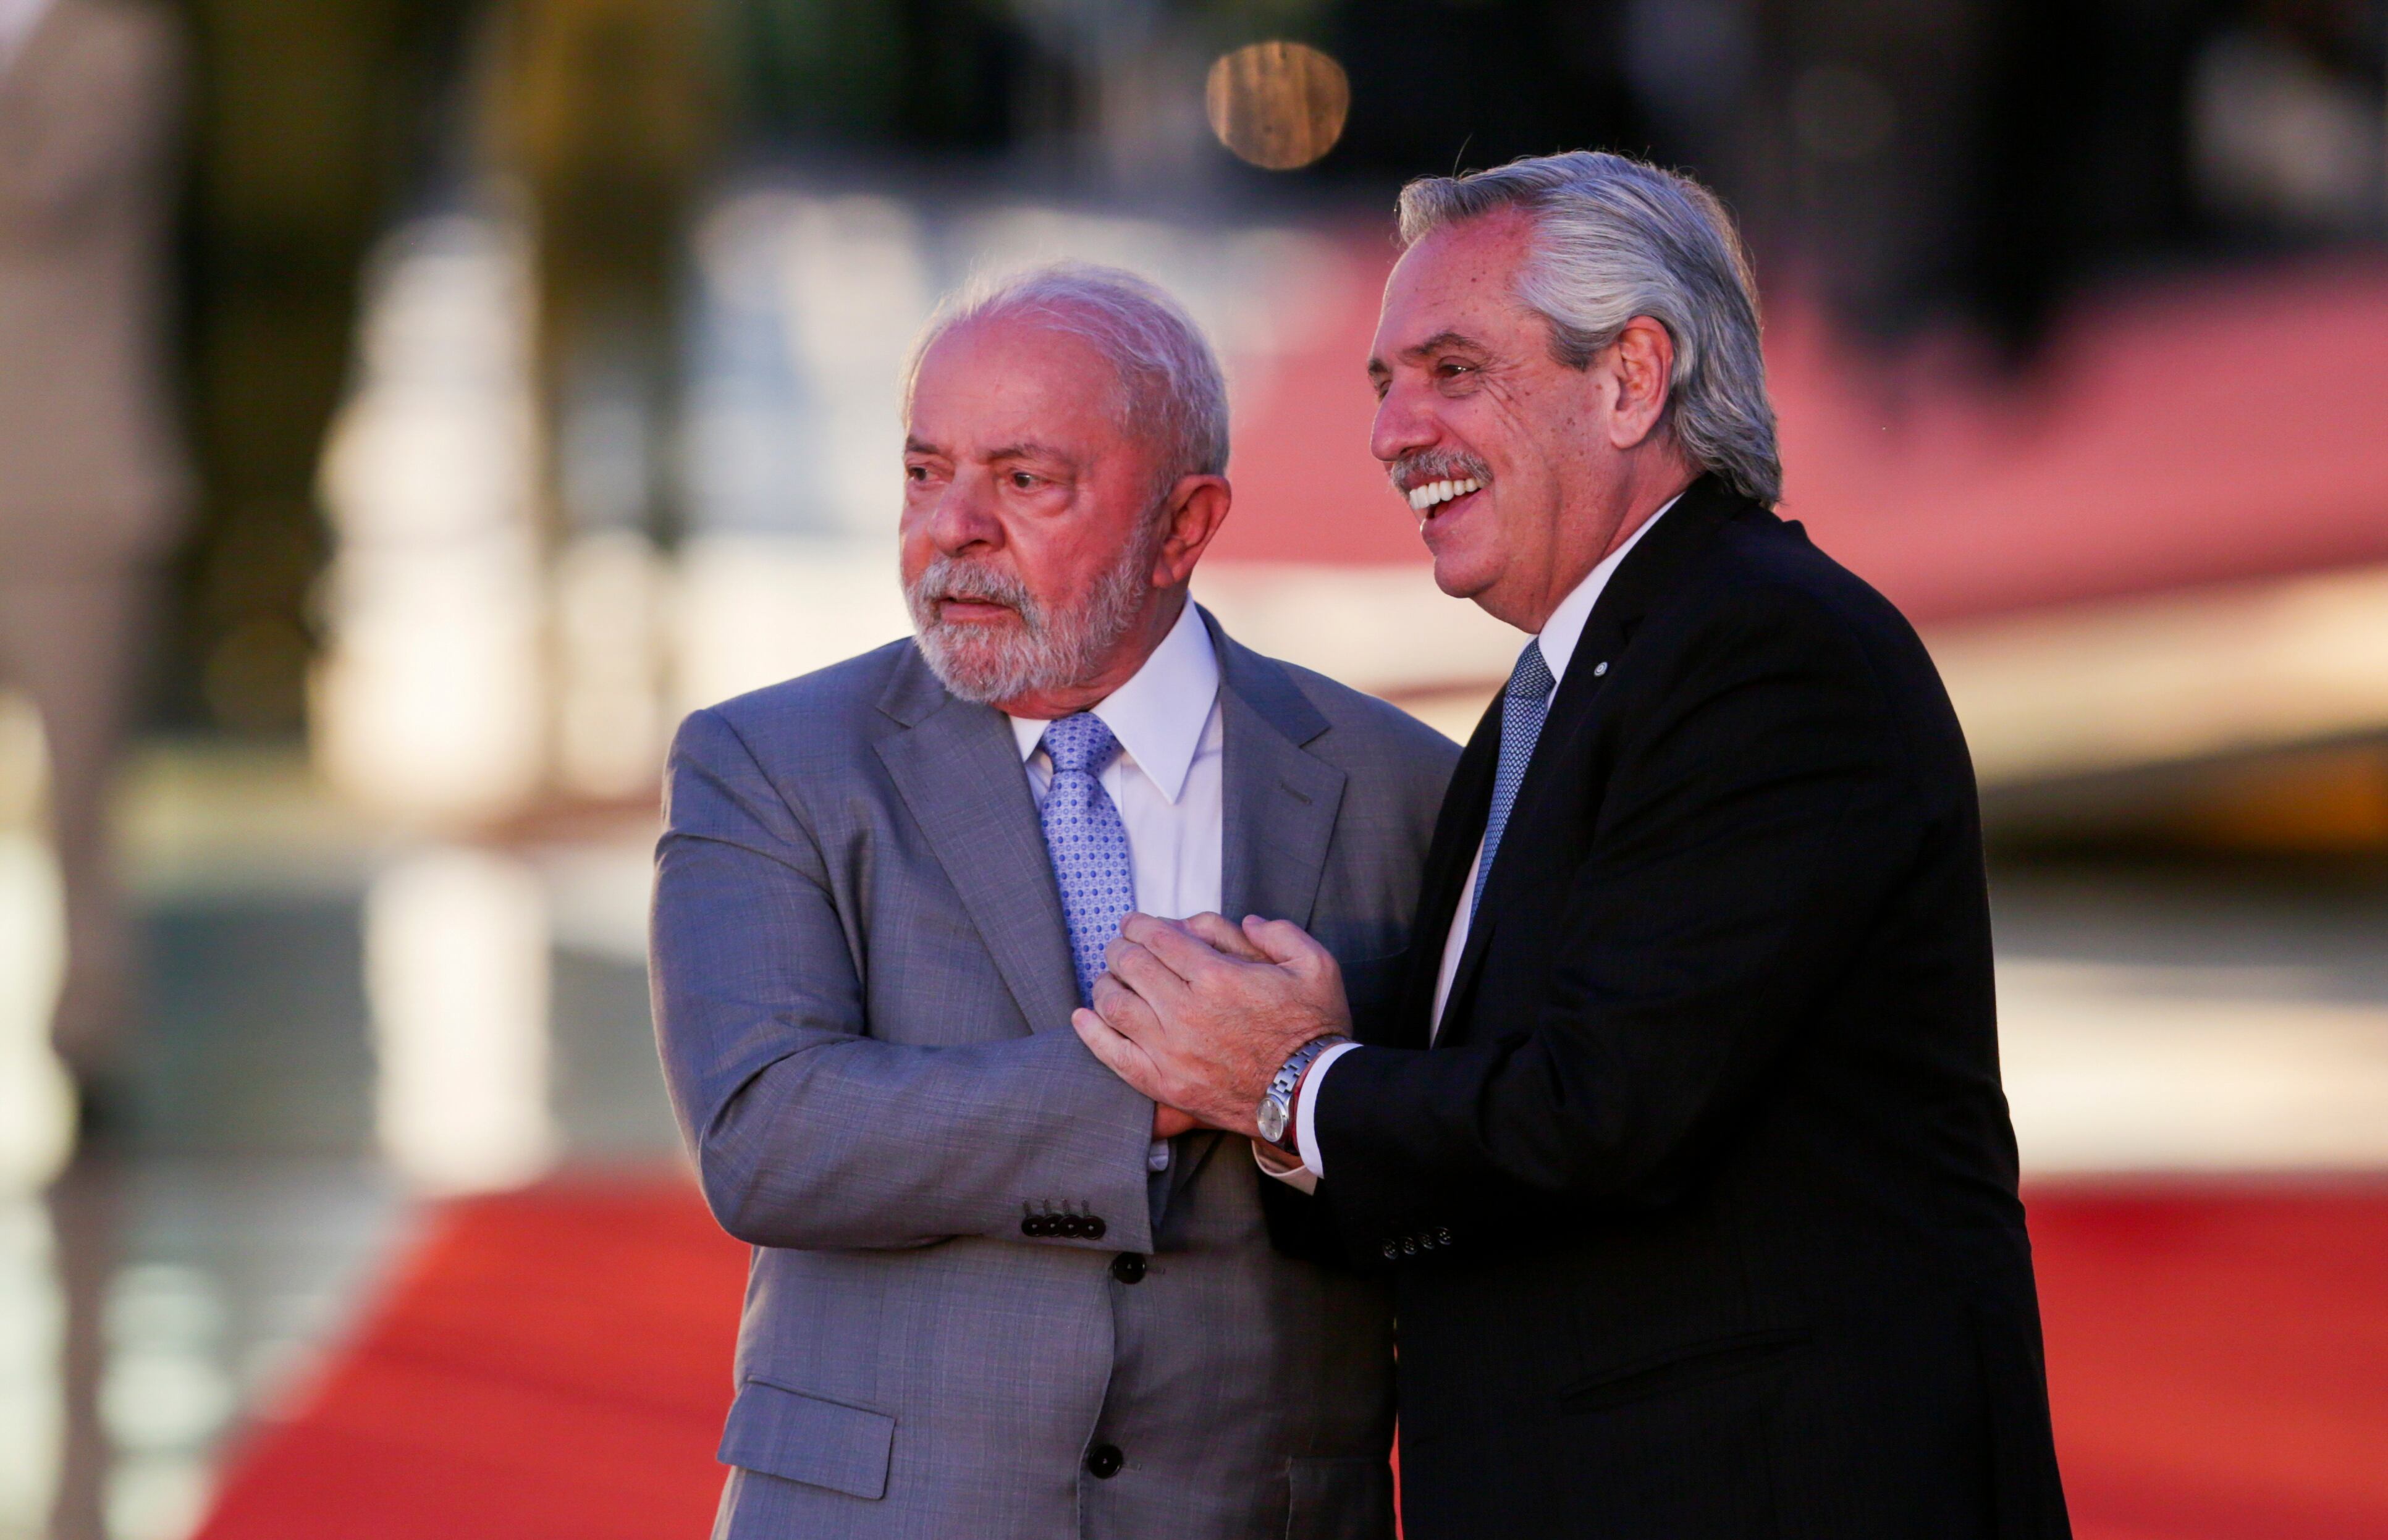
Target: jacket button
{"x":1093,"y":1227}
{"x":1035,"y":1225}
{"x":1104,"y":1461}
{"x":1392,"y":1249}
{"x":1067,"y":1227}
{"x":1128,"y":1266}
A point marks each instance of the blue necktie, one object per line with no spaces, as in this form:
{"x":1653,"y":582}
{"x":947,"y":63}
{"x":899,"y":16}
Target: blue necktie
{"x":1087,"y":842}
{"x":1524,"y":705}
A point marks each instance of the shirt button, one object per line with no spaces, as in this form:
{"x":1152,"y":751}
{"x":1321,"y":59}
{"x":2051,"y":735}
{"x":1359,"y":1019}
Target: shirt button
{"x":1128,"y":1266}
{"x":1104,"y":1461}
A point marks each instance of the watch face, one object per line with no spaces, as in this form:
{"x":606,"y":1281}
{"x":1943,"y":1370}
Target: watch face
{"x":1273,"y":1119}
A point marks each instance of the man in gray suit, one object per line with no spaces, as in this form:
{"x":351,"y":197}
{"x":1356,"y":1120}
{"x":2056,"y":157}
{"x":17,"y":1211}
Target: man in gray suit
{"x":996,"y":1292}
{"x":92,"y":483}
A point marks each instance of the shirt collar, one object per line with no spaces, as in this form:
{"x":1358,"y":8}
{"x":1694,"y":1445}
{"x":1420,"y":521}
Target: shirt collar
{"x":1565,"y":628}
{"x":1160,"y":714}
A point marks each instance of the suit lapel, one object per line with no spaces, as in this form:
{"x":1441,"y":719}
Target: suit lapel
{"x":1279,"y":810}
{"x":1458,"y":830}
{"x":1280,"y":802}
{"x":1640,"y":580}
{"x":957,"y":768}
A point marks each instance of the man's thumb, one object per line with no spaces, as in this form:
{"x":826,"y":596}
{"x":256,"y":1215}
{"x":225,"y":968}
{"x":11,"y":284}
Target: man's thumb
{"x":1281,"y":941}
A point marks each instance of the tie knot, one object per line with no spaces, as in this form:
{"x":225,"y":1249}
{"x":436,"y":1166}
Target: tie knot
{"x":1079,"y":743}
{"x":1532,"y":679}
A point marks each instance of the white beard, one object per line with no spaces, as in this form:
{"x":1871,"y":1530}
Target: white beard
{"x":1038,"y":651}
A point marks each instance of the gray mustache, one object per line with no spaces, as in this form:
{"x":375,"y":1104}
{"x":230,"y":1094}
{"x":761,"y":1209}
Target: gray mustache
{"x":947,"y":579}
{"x":1436,"y":465}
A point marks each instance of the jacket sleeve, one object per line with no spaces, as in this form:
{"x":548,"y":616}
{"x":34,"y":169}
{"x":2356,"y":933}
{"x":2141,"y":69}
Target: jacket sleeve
{"x":1753,"y":821}
{"x":806,"y":1131}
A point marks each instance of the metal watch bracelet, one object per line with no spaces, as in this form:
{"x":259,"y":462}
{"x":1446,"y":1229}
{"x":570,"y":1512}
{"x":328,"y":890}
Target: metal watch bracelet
{"x":1276,"y":1118}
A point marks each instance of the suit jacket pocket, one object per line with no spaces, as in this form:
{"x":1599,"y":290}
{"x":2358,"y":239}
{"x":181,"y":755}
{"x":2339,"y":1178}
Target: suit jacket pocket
{"x":1341,"y":1500}
{"x":786,"y":1433}
{"x":1679,"y":1368}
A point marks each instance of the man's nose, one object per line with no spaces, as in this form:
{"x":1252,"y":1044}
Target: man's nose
{"x":1406,"y":423}
{"x":964,"y":517}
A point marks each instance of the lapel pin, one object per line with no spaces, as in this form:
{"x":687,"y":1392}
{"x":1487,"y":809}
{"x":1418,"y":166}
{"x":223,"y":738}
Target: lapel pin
{"x":1600,"y":668}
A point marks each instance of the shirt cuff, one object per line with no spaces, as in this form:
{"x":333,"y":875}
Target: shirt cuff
{"x":1305,"y":1109}
{"x":1293,"y":1175}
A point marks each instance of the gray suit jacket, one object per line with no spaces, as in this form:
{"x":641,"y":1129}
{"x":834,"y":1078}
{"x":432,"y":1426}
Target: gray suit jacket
{"x":862,"y":990}
{"x":92,"y":472}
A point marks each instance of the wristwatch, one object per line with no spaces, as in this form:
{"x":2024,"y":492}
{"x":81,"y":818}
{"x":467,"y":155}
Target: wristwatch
{"x":1276,"y":1104}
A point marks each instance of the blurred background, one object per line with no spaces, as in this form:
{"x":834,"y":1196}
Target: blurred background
{"x":410,"y":408}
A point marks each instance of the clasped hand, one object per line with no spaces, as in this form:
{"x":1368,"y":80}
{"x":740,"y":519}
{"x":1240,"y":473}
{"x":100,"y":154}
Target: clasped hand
{"x":1200,"y":1013}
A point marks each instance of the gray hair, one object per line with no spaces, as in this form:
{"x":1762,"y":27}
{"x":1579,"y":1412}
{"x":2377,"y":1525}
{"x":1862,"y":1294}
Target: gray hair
{"x":1171,"y":393}
{"x":1616,"y":238}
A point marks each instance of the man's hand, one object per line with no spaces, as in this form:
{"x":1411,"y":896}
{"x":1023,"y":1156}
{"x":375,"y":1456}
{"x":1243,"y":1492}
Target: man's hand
{"x":1168,"y":1122}
{"x":1200,"y":1015}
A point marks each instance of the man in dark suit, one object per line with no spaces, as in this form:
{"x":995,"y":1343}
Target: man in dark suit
{"x":1685,"y":1141}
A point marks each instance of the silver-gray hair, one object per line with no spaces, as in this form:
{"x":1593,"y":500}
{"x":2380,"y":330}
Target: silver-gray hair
{"x":1616,"y":238}
{"x":1172,"y":392}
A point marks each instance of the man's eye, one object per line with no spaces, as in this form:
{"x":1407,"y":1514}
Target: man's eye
{"x":1022,"y":481}
{"x":1450,"y":367}
{"x":916,"y":472}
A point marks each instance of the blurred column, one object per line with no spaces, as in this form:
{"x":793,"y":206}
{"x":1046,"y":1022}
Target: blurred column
{"x":1115,"y":98}
{"x":33,"y":1324}
{"x":93,"y":482}
{"x":164,"y":1396}
{"x":457,"y":976}
{"x":605,"y":111}
{"x":36,"y":1126}
{"x":811,"y":303}
{"x":85,"y":1238}
{"x":36,"y":1097}
{"x":308,"y":117}
{"x":429,"y":703}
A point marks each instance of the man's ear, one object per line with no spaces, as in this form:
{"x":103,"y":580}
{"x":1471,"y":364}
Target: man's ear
{"x":1642,"y":361}
{"x":1195,"y":508}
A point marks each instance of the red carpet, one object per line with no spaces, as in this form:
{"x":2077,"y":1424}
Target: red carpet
{"x":556,"y":1363}
{"x":2219,"y":1359}
{"x":552,"y":1363}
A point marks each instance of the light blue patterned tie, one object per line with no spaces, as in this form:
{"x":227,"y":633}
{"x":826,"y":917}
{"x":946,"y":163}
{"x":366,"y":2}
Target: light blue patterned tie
{"x":1524,"y":705}
{"x":1087,"y":842}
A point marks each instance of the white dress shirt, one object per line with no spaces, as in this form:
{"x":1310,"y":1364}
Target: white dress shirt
{"x":1558,"y":638}
{"x":1165,"y":780}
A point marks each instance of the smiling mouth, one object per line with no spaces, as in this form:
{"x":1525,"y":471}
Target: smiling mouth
{"x":1428,"y":497}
